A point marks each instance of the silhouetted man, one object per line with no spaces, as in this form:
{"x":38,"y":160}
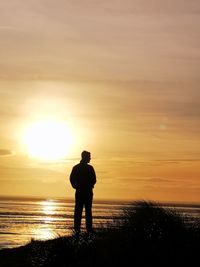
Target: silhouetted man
{"x":83,"y":179}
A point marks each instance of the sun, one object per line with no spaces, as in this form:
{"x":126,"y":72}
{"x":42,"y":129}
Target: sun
{"x":48,"y":140}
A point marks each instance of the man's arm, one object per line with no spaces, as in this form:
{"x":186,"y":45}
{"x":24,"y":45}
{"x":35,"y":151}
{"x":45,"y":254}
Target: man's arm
{"x":94,"y":179}
{"x":73,"y":178}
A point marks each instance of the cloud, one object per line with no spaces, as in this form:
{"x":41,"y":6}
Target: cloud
{"x":6,"y":152}
{"x":147,"y":180}
{"x":154,"y":162}
{"x":7,"y":28}
{"x":99,"y":39}
{"x":27,"y":173}
{"x":54,"y":162}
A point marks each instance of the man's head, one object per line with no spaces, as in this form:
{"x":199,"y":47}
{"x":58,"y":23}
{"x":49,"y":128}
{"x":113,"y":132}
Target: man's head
{"x":85,"y":155}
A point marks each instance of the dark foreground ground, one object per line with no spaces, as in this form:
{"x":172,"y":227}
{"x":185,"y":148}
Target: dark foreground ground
{"x":147,"y":236}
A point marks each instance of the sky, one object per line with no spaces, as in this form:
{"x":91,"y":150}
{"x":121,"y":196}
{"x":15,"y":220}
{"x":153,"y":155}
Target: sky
{"x":122,"y":75}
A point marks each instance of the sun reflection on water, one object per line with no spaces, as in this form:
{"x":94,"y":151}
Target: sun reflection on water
{"x":48,"y":207}
{"x":46,"y":229}
{"x":44,"y":233}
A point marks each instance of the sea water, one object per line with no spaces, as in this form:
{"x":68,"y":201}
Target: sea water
{"x":24,"y":219}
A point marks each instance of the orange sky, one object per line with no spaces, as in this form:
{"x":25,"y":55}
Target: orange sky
{"x":124,"y":75}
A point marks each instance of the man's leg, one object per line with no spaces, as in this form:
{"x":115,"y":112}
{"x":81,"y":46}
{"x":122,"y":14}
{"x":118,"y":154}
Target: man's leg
{"x":78,"y":212}
{"x":88,"y":212}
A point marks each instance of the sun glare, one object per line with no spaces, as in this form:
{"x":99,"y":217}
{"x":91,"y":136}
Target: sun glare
{"x":48,"y":140}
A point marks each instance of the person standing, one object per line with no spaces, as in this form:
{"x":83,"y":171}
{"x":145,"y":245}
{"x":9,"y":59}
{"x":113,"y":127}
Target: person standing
{"x":83,"y":179}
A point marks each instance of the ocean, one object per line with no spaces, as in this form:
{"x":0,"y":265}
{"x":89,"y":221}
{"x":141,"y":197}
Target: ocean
{"x":24,"y":219}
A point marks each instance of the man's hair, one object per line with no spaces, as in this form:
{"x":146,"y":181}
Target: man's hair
{"x":85,"y":154}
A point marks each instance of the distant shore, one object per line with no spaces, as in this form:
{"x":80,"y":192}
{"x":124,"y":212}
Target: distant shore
{"x":102,"y":200}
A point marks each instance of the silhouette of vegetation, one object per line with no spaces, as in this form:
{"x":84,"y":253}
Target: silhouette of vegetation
{"x":146,"y":235}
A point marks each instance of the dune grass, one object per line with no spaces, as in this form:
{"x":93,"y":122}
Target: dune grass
{"x":146,"y":235}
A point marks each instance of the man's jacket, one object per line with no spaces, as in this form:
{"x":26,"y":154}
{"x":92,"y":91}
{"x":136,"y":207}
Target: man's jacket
{"x":83,"y":177}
